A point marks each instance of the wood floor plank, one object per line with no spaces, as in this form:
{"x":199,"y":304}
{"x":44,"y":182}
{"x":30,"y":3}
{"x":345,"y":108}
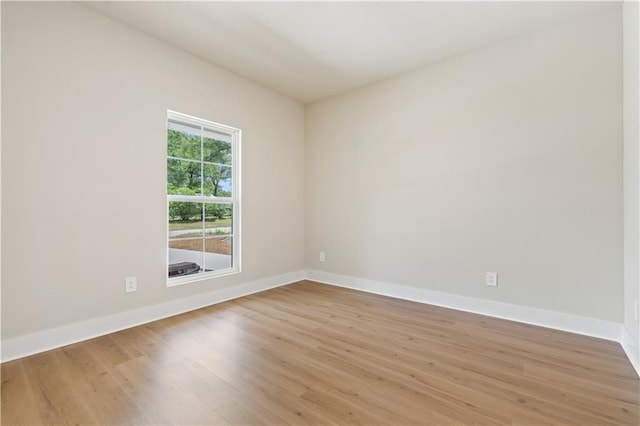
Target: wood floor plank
{"x":313,"y":354}
{"x":19,"y":400}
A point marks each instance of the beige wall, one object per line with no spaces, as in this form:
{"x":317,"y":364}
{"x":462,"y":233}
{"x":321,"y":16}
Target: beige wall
{"x":0,"y":172}
{"x":506,"y":159}
{"x":83,"y":172}
{"x":631,"y":46}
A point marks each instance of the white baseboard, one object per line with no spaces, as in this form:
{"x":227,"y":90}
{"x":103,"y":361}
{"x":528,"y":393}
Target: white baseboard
{"x":30,"y":344}
{"x":631,"y":348}
{"x":552,"y":319}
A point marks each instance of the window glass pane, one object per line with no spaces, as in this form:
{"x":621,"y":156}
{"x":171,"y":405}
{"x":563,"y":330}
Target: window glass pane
{"x":218,"y":219}
{"x":183,"y":177}
{"x":218,"y":236}
{"x":217,"y":135}
{"x":183,"y":141}
{"x":185,"y":219}
{"x":199,"y":169}
{"x":218,"y":253}
{"x":185,"y":257}
{"x":216,"y":150}
{"x":217,"y":180}
{"x":185,"y":238}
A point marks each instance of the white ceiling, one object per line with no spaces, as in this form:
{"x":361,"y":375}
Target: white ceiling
{"x":311,"y":50}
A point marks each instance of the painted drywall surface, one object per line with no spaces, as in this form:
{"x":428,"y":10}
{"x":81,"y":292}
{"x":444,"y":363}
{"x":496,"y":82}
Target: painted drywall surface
{"x":631,"y":85}
{"x":506,"y":159}
{"x":84,"y":204}
{"x":0,"y":171}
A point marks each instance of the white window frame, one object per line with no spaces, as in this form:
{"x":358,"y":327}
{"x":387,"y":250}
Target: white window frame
{"x":235,"y":135}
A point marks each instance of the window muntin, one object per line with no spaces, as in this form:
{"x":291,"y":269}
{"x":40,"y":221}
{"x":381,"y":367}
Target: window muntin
{"x":202,"y":198}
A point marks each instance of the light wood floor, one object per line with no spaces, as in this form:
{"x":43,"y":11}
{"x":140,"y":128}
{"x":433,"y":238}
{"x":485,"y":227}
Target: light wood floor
{"x":314,"y":354}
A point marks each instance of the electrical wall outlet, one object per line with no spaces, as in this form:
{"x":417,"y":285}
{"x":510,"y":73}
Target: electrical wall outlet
{"x":322,"y":258}
{"x":491,"y":279}
{"x":131,"y":285}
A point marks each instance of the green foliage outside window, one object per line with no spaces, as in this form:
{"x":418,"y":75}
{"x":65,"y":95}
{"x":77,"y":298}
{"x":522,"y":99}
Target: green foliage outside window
{"x":198,"y":167}
{"x":210,"y":173}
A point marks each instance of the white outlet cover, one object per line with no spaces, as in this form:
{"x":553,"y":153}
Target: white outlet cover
{"x":491,"y":279}
{"x":131,"y":285}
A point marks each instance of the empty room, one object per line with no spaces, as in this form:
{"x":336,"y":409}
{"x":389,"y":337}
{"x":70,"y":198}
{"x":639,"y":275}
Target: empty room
{"x":313,"y":213}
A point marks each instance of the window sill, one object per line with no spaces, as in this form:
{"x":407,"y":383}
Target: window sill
{"x":185,"y":279}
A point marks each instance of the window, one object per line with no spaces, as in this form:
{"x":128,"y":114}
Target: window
{"x":203,"y":199}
